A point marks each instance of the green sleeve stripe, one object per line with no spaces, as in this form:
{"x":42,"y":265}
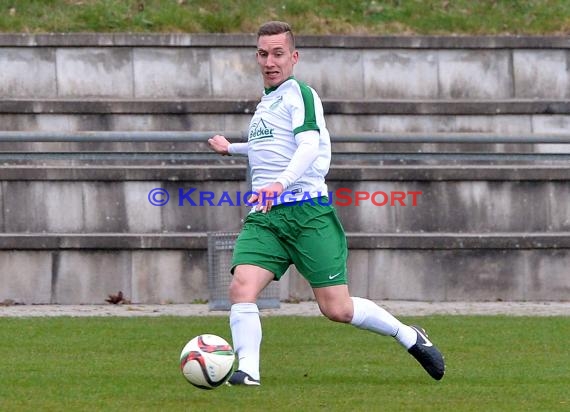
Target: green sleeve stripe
{"x":310,"y":115}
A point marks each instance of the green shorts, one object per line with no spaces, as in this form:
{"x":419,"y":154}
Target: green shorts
{"x":308,"y":235}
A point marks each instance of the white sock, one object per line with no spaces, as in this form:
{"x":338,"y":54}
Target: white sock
{"x":246,"y":336}
{"x":369,"y":316}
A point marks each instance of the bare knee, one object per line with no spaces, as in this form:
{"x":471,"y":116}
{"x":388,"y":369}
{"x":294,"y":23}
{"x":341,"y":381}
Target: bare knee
{"x":335,"y":303}
{"x":240,"y":292}
{"x":247,"y":282}
{"x":342,"y":313}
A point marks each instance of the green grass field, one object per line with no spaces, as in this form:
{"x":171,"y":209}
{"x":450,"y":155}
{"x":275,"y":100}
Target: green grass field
{"x":308,"y":364}
{"x":306,"y":16}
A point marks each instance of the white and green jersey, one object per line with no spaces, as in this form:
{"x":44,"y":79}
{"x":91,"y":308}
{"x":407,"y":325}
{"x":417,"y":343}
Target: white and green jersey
{"x":283,"y":112}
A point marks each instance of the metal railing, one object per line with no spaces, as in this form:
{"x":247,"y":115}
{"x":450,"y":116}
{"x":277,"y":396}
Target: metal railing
{"x":462,"y":147}
{"x":365,"y":137}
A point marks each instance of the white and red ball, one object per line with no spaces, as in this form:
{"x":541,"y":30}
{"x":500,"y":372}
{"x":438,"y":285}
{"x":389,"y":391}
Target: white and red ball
{"x":207,"y":361}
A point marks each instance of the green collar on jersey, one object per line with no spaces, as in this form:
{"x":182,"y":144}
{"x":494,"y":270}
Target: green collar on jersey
{"x":271,"y":89}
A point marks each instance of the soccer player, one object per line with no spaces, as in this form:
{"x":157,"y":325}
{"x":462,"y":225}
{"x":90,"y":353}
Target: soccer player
{"x":289,"y":152}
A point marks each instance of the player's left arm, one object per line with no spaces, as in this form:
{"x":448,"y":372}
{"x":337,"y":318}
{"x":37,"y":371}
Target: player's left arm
{"x":306,"y":153}
{"x":304,"y":156}
{"x":302,"y":107}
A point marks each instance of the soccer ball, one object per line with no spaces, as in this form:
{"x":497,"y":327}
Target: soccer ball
{"x":207,"y":361}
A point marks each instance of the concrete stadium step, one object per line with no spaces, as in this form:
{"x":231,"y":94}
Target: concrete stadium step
{"x":171,"y":148}
{"x":238,"y":172}
{"x":362,"y":241}
{"x":175,"y":105}
{"x":41,"y":268}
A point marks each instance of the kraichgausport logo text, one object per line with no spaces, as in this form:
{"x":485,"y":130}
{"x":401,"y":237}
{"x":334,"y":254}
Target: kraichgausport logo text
{"x":341,"y":197}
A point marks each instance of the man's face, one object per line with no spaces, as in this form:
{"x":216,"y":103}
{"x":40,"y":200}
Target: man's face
{"x":275,"y":59}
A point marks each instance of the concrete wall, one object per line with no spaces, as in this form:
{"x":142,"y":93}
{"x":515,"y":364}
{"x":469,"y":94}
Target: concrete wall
{"x":179,"y":276}
{"x":75,"y":238}
{"x":75,"y":230}
{"x":211,"y":82}
{"x":465,"y":206}
{"x":177,"y":66}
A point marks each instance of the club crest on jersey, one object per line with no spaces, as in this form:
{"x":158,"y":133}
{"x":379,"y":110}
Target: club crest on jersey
{"x":259,"y":130}
{"x":276,"y":103}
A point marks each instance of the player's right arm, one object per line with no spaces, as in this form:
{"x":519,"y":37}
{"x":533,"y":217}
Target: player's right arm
{"x":221,"y":145}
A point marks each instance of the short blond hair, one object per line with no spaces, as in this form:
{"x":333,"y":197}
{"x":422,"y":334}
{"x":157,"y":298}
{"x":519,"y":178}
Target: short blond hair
{"x":277,"y":27}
